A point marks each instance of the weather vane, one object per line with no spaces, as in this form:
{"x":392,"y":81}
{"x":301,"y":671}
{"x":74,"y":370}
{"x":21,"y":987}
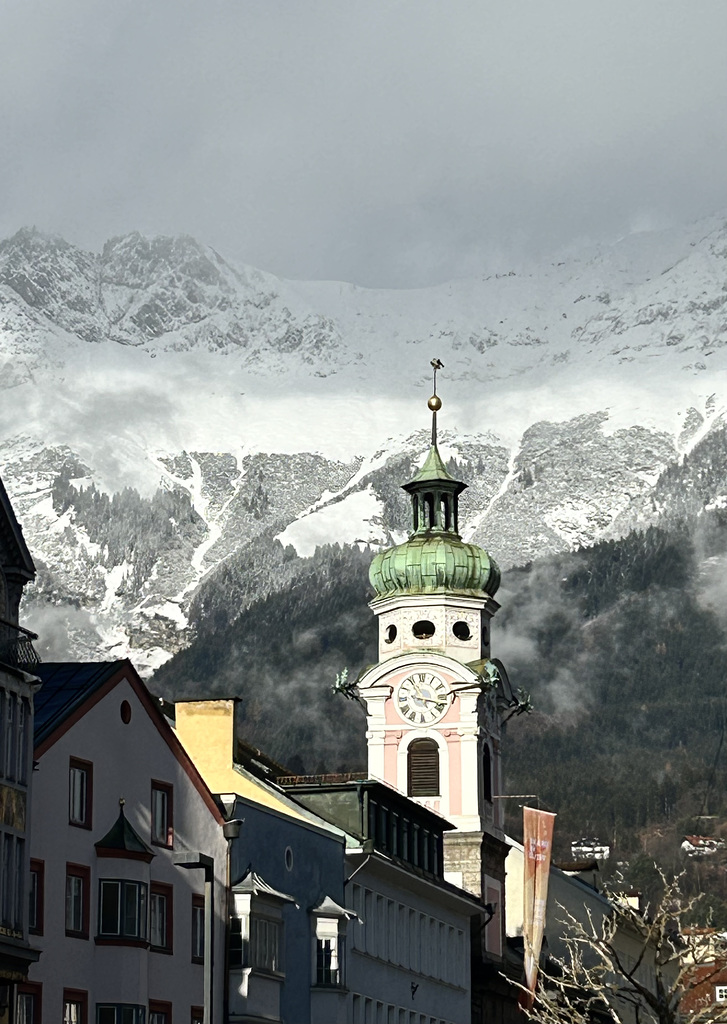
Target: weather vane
{"x":435,"y":402}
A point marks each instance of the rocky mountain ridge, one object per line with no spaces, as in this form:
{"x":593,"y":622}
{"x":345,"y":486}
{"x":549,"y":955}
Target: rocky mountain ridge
{"x":162,"y":411}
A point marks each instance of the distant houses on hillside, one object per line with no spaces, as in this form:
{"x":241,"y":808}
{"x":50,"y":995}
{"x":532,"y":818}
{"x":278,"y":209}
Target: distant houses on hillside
{"x":590,"y":849}
{"x":702,"y":846}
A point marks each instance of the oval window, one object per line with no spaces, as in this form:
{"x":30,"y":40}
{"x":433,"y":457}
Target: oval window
{"x":461,"y":630}
{"x":390,"y":635}
{"x":423,"y":629}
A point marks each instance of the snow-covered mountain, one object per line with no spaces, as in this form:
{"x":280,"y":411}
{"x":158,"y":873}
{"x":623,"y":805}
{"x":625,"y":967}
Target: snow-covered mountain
{"x":265,"y":408}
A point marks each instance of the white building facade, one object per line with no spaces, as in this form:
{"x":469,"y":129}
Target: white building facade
{"x":128,"y":860}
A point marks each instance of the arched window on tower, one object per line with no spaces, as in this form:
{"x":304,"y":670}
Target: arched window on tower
{"x":429,"y":522}
{"x":423,"y":768}
{"x":487,"y":773}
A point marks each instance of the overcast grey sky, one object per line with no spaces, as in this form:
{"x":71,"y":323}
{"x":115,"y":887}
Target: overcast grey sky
{"x":385,"y":143}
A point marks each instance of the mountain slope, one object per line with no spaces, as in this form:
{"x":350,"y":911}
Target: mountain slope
{"x":263,"y":408}
{"x":618,"y":644}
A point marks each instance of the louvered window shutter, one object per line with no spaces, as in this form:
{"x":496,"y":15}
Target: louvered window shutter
{"x":423,"y":768}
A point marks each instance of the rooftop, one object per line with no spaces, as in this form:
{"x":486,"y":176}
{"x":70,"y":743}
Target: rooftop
{"x":66,"y":687}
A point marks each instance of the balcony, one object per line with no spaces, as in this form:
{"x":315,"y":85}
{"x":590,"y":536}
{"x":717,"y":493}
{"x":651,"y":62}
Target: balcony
{"x":16,"y":646}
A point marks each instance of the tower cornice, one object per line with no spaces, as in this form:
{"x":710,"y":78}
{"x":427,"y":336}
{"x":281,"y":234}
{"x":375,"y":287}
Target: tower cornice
{"x":374,"y":676}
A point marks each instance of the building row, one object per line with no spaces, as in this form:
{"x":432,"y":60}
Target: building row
{"x":152,"y":868}
{"x":155,"y":870}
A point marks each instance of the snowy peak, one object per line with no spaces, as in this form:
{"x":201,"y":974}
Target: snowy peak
{"x":152,"y":287}
{"x":57,"y":279}
{"x":653,"y":297}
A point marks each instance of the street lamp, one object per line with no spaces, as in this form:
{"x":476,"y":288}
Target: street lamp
{"x":203,"y":860}
{"x":230,"y":830}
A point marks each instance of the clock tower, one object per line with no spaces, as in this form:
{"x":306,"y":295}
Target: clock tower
{"x":435,"y":698}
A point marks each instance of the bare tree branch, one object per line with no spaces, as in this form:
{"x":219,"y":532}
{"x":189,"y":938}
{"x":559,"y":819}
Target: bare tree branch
{"x":632,"y":966}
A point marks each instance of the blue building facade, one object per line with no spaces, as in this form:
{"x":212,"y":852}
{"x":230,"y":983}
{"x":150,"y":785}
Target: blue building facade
{"x":286,"y":898}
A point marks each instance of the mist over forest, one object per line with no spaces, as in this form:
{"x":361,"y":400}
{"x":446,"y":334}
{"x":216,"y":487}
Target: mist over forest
{"x":620,"y":645}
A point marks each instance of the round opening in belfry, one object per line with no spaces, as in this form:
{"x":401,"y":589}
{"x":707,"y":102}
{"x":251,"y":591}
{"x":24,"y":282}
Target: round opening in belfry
{"x":423,"y":629}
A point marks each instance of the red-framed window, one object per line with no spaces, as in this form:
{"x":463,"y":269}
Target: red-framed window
{"x":78,"y":895}
{"x":160,"y":1012}
{"x":161,"y":917}
{"x":29,"y":1005}
{"x":80,"y":793}
{"x":197,"y":929}
{"x":75,"y":1006}
{"x":162,"y":814}
{"x":36,"y":897}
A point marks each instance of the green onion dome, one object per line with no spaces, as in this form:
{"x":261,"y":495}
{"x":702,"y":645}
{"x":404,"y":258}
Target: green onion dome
{"x":434,"y":562}
{"x":435,"y":559}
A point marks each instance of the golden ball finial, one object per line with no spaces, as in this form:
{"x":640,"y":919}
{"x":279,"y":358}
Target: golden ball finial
{"x":435,"y":403}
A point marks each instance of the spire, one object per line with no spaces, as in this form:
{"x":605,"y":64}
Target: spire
{"x":435,"y":402}
{"x":434,"y":491}
{"x":434,"y":559}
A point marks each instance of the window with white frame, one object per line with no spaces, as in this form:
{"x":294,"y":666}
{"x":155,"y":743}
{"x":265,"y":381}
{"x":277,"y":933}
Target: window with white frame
{"x":329,"y":952}
{"x":197,"y":929}
{"x":265,"y":944}
{"x":161,"y":814}
{"x":161,"y":928}
{"x":256,"y":936}
{"x":80,"y":778}
{"x":77,"y":899}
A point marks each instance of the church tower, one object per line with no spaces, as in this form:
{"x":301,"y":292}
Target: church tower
{"x":435,"y":698}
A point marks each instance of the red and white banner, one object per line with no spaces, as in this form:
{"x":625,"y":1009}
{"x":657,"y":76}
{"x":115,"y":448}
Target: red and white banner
{"x":538,"y":844}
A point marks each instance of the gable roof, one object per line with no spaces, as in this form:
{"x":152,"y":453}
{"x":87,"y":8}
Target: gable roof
{"x":66,"y":688}
{"x":70,"y":689}
{"x":17,"y":556}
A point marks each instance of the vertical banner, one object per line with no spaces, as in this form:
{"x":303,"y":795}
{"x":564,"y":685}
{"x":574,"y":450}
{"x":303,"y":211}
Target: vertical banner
{"x":537,"y":843}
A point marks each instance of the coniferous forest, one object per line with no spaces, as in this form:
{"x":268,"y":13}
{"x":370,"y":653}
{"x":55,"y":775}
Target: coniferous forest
{"x":622,"y":647}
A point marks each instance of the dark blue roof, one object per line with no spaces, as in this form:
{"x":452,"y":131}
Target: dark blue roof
{"x":66,"y":686}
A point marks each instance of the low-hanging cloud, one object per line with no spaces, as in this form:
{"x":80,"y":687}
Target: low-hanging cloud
{"x":388,"y":144}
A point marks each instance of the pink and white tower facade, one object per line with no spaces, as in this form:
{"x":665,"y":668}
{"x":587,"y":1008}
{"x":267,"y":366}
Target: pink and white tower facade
{"x":435,"y":699}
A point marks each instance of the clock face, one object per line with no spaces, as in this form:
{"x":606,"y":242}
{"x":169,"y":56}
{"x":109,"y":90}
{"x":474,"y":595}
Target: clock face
{"x":422,"y":698}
